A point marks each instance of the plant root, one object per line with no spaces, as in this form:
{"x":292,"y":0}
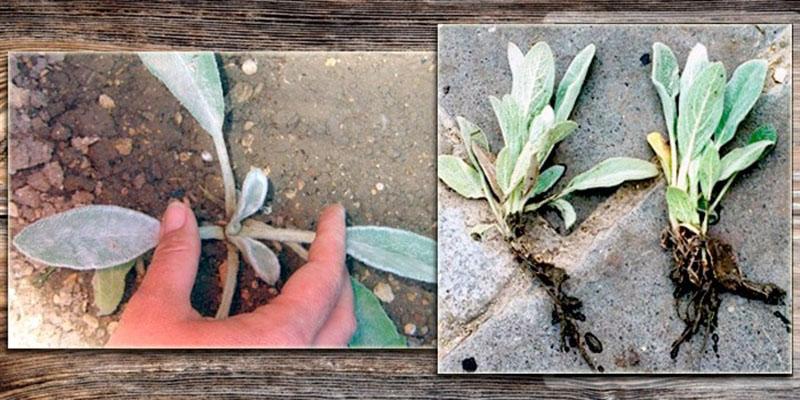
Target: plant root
{"x":704,"y":268}
{"x":566,"y":309}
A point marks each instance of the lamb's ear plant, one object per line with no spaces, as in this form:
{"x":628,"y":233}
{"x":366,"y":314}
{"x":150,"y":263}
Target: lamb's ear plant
{"x":699,"y":170}
{"x":109,"y":239}
{"x":517,"y":180}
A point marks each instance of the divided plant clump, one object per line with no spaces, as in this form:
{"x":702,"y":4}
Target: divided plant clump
{"x":700,"y":123}
{"x":517,"y":180}
{"x":110,"y":239}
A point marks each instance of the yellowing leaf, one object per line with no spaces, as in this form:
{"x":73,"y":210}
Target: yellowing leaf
{"x":662,"y":150}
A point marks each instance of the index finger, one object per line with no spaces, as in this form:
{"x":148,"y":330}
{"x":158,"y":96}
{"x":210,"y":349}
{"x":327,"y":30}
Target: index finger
{"x":312,"y":292}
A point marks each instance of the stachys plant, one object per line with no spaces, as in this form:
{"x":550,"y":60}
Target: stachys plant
{"x":109,"y":239}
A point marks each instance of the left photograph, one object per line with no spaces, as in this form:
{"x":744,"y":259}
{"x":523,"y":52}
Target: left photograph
{"x":217,"y":200}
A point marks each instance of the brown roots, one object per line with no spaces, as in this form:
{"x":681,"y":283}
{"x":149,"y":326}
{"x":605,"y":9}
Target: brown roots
{"x":566,"y":309}
{"x":704,"y":268}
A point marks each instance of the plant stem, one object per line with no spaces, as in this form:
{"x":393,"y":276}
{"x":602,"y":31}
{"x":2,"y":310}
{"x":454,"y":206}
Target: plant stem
{"x":227,"y":175}
{"x":713,"y":205}
{"x":230,"y":282}
{"x":212,"y":232}
{"x":260,"y":230}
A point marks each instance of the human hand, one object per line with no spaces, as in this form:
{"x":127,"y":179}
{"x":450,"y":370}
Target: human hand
{"x":314,"y":309}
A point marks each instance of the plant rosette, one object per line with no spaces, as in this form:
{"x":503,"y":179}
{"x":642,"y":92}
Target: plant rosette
{"x":702,"y":111}
{"x":517,"y":180}
{"x":109,"y":239}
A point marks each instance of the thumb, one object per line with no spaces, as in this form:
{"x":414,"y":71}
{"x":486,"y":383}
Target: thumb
{"x":172,"y":272}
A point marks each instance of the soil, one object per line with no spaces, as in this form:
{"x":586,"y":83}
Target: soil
{"x":100,"y":129}
{"x":704,"y":268}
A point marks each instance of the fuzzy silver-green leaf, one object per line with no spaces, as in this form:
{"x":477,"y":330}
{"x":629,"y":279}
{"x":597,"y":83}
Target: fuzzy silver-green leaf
{"x":532,"y":79}
{"x":459,"y":176}
{"x":565,"y":209}
{"x":612,"y":172}
{"x":254,"y":192}
{"x":741,"y":158}
{"x":260,"y":257}
{"x":695,"y":62}
{"x":741,"y":94}
{"x":681,"y":207}
{"x":571,"y":83}
{"x":547,"y":179}
{"x":90,"y":237}
{"x":108,"y":286}
{"x":665,"y":78}
{"x":552,"y":137}
{"x":193,"y":79}
{"x":393,"y":250}
{"x":709,"y":169}
{"x":700,"y":111}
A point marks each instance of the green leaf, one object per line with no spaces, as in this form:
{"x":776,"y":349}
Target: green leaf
{"x":253,"y":195}
{"x":392,"y":250}
{"x":665,"y":79}
{"x":541,"y":123}
{"x":709,"y":170}
{"x":511,"y":121}
{"x":532,"y":79}
{"x":260,"y":257}
{"x":504,"y":167}
{"x":741,"y":94}
{"x":741,"y":158}
{"x":566,"y":211}
{"x":764,"y":132}
{"x":373,"y":327}
{"x":547,"y":179}
{"x":193,"y":79}
{"x":459,"y":176}
{"x":571,"y":83}
{"x":700,"y":111}
{"x":612,"y":172}
{"x":695,"y":62}
{"x":527,"y":165}
{"x":109,"y":287}
{"x":681,"y":207}
{"x":549,"y":140}
{"x":90,"y":237}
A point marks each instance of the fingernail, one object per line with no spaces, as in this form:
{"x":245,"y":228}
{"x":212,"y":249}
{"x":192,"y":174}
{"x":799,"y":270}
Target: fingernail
{"x":174,"y":217}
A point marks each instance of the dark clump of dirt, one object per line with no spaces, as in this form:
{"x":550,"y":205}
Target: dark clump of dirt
{"x":469,"y":364}
{"x":566,"y":309}
{"x":703,"y":269}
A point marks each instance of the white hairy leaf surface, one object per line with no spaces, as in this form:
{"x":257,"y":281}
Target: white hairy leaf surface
{"x":263,"y":260}
{"x":741,"y":94}
{"x":612,"y":172}
{"x":90,"y":237}
{"x":392,"y":250}
{"x":571,"y":83}
{"x":193,"y":79}
{"x":254,"y":192}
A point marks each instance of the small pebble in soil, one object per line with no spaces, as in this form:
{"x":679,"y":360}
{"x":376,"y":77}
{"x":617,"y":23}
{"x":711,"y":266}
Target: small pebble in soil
{"x":410,"y":329}
{"x":178,"y":118}
{"x":249,"y":125}
{"x":206,"y":156}
{"x":469,"y":364}
{"x":779,"y":75}
{"x":380,"y":186}
{"x":124,"y":146}
{"x":106,"y":102}
{"x":249,"y":67}
{"x":384,"y":292}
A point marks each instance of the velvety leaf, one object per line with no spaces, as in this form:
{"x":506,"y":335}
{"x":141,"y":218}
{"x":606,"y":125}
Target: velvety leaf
{"x":665,"y":79}
{"x":764,"y":132}
{"x":108,"y":286}
{"x":392,"y":250}
{"x":504,"y":167}
{"x":257,"y":255}
{"x":612,"y":172}
{"x":373,"y":327}
{"x":253,"y":195}
{"x":700,"y":111}
{"x":571,"y":83}
{"x":486,"y":163}
{"x":566,"y":211}
{"x":695,"y":62}
{"x":741,"y":158}
{"x":90,"y":237}
{"x":681,"y":207}
{"x":741,"y":94}
{"x":511,"y":121}
{"x":194,"y":80}
{"x":459,"y":176}
{"x":527,"y":165}
{"x":541,"y":123}
{"x":533,"y":79}
{"x":547,"y":179}
{"x":471,"y":133}
{"x":549,"y":140}
{"x":662,"y":150}
{"x":709,"y":170}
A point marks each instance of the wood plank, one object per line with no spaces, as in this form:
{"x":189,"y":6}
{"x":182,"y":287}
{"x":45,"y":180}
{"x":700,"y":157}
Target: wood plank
{"x":339,"y":25}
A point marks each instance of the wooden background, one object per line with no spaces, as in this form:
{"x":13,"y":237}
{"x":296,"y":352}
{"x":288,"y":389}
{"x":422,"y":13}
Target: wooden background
{"x":339,"y":25}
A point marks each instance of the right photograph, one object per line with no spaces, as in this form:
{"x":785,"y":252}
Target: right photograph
{"x":614,"y":199}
